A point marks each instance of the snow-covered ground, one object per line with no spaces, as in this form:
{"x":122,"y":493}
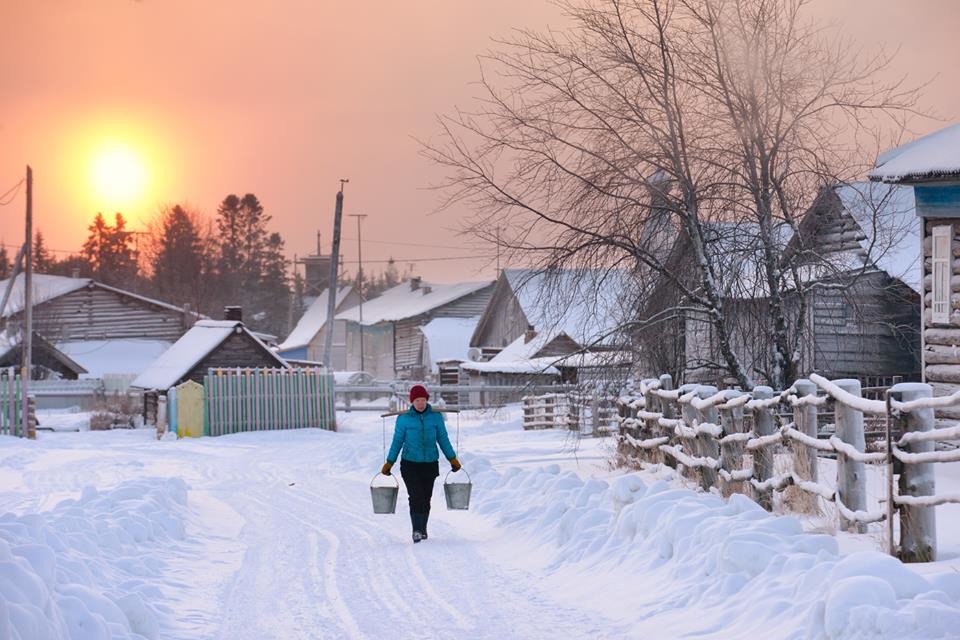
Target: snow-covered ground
{"x":271,"y":535}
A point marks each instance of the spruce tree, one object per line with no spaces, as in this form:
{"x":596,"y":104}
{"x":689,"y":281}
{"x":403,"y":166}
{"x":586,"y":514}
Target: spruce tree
{"x":42,"y":261}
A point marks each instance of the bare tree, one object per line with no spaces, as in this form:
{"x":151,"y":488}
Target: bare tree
{"x":656,"y":127}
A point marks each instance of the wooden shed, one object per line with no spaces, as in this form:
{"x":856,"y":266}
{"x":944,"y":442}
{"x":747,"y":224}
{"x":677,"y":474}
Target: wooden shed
{"x":931,"y":165}
{"x":209,"y":344}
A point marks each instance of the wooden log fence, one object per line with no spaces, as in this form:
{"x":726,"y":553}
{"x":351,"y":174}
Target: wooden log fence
{"x":595,"y":414}
{"x":729,"y":439}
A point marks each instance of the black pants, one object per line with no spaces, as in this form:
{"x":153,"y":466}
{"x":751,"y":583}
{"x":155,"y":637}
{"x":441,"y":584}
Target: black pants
{"x":419,"y":478}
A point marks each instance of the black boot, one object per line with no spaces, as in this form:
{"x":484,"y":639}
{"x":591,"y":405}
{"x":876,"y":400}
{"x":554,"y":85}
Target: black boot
{"x":418,"y":520}
{"x":423,"y":529}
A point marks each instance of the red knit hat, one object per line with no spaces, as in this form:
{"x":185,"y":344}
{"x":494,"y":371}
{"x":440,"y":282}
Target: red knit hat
{"x":418,"y":391}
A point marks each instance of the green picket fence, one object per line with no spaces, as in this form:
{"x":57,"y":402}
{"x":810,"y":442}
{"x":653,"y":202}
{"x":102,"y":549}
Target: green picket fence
{"x":10,"y":403}
{"x":264,"y":399}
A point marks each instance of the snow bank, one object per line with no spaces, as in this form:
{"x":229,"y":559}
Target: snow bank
{"x":83,"y":570}
{"x":745,"y":569}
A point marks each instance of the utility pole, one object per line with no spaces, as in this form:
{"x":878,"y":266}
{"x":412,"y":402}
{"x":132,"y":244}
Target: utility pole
{"x":359,"y":217}
{"x":27,"y":307}
{"x":332,"y":288}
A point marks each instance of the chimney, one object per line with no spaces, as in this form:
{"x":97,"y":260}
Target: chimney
{"x":415,"y":283}
{"x":529,"y":334}
{"x":233,"y":313}
{"x":75,"y":273}
{"x":427,"y":290}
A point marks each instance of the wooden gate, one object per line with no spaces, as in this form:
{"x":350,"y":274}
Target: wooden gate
{"x":190,"y":409}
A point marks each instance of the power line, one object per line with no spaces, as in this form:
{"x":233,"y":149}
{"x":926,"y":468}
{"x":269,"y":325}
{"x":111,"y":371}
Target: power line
{"x":15,"y":189}
{"x":411,"y":244}
{"x":420,"y":259}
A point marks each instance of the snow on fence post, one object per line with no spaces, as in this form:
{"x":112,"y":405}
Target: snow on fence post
{"x":918,"y":524}
{"x":763,"y":455}
{"x":688,"y":442}
{"x":667,"y":409}
{"x":805,"y":421}
{"x":652,"y":405}
{"x":851,"y":480}
{"x":706,"y":443}
{"x":731,"y":448}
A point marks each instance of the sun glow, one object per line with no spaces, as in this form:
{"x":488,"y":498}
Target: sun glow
{"x":118,"y":176}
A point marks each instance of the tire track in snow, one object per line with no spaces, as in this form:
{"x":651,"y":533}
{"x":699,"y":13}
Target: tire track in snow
{"x":329,"y":580}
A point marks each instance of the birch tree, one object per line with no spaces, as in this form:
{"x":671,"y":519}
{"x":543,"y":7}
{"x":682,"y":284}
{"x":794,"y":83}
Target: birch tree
{"x":649,"y":125}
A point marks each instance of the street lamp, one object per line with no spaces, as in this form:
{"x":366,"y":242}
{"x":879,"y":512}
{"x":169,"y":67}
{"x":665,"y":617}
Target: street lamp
{"x":359,"y":217}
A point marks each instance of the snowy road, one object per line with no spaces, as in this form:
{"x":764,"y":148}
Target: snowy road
{"x":282,"y":542}
{"x":272,"y":535}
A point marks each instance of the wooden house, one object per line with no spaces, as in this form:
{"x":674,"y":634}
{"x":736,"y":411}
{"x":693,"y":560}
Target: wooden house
{"x":854,"y":254}
{"x":306,"y":341}
{"x":104,"y":329}
{"x":70,"y":309}
{"x":587,"y":306}
{"x":388,"y":342}
{"x":209,"y":344}
{"x":931,"y":166}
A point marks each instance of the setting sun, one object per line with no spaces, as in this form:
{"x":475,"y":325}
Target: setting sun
{"x":118,"y":175}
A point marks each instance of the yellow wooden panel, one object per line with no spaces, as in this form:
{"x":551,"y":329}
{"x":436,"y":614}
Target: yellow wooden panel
{"x":190,"y":409}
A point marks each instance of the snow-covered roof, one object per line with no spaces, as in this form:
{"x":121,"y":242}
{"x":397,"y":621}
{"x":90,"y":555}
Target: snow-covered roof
{"x":886,"y":213}
{"x":49,"y":287}
{"x":933,"y":156}
{"x":105,"y":357}
{"x":44,"y":288}
{"x":520,"y":356}
{"x":313,"y":320}
{"x":202,"y":338}
{"x":584,"y":304}
{"x":448,"y":338}
{"x":400,"y":302}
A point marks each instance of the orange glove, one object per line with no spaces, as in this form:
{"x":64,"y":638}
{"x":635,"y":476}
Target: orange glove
{"x":386,"y":468}
{"x":454,"y":464}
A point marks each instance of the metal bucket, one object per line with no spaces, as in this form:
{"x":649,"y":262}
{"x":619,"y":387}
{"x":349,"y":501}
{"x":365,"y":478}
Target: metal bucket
{"x":384,"y":498}
{"x":457,"y":493}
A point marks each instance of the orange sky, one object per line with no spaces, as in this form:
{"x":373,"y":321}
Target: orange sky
{"x":284,"y":97}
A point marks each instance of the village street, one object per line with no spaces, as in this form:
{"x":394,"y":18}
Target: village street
{"x":279,"y":541}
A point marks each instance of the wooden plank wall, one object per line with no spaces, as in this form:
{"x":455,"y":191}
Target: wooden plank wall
{"x":238,"y":350}
{"x":92,"y":313}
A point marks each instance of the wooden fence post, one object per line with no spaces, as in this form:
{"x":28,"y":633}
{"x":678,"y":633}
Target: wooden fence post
{"x":689,"y":445}
{"x":652,"y":404}
{"x":851,"y":480}
{"x":805,"y":421}
{"x":31,"y":417}
{"x":918,"y":524}
{"x":763,"y":456}
{"x":667,"y":409}
{"x":707,"y":444}
{"x":731,"y":451}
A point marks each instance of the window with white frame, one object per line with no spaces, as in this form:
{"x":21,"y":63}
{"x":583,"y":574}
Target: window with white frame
{"x":942,"y":270}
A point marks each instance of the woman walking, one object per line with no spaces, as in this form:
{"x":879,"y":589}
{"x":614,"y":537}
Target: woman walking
{"x":417,"y":434}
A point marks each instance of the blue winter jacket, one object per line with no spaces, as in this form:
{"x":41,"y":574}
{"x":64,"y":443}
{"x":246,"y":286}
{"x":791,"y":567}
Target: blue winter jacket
{"x":418,"y":434}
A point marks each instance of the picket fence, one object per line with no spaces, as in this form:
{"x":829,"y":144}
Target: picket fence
{"x":11,"y":405}
{"x":238,"y":400}
{"x":729,"y":439}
